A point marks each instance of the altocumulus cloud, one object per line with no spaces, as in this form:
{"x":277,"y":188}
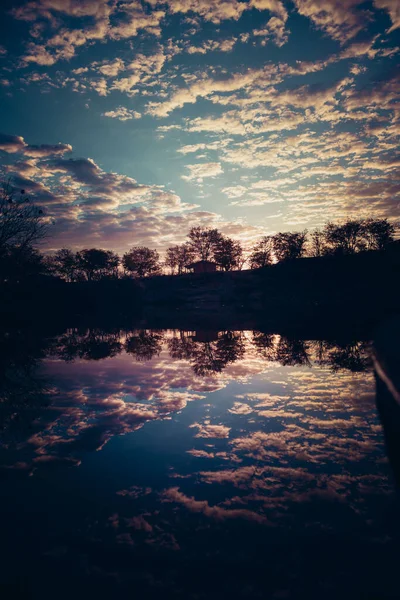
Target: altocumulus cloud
{"x":231,"y":83}
{"x":91,"y":206}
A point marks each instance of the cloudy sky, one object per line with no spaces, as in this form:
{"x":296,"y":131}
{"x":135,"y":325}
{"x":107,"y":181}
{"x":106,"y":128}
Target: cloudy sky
{"x":131,"y":121}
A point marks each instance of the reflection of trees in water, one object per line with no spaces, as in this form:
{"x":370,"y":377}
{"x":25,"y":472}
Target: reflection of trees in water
{"x":90,"y":344}
{"x":208,"y":356}
{"x":181,"y":348}
{"x":265,"y":344}
{"x":212,"y":355}
{"x":21,"y":355}
{"x":292,"y":352}
{"x":287,"y":351}
{"x":145,"y":345}
{"x":353,"y":356}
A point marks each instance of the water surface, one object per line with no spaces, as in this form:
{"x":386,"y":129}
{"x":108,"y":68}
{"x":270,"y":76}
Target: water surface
{"x":194,"y":464}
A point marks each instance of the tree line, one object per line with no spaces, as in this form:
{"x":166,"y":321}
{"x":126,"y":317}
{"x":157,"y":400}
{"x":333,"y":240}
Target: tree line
{"x":212,"y":356}
{"x":228,"y":254}
{"x":23,"y":225}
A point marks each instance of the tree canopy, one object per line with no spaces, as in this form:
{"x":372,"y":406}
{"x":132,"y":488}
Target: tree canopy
{"x":141,"y":262}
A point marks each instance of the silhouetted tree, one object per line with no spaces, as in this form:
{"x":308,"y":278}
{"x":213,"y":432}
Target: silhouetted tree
{"x":289,"y":245}
{"x":22,"y":224}
{"x":261,"y":254}
{"x":20,"y":263}
{"x":65,"y":264}
{"x":204,"y":241}
{"x":378,"y":233}
{"x":96,"y":264}
{"x":346,"y":238}
{"x":317,"y":243}
{"x":145,"y":345}
{"x":141,"y":262}
{"x":177,"y":257}
{"x":228,"y":253}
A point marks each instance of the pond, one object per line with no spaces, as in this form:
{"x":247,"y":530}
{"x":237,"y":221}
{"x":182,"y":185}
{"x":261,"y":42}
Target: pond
{"x":193,"y":464}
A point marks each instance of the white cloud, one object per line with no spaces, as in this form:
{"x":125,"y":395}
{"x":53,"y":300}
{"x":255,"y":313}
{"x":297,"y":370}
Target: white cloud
{"x":122,"y":113}
{"x":202,"y":170}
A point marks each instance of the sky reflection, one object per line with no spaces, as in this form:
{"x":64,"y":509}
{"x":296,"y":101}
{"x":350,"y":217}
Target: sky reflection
{"x":173,"y":432}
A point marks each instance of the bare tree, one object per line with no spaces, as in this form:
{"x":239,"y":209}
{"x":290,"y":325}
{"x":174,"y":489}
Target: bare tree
{"x":228,"y":254}
{"x":317,"y":243}
{"x":142,"y":262}
{"x":289,"y":245}
{"x":22,"y":224}
{"x":203,"y":241}
{"x":261,"y":254}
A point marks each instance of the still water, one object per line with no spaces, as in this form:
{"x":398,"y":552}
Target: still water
{"x":193,"y":464}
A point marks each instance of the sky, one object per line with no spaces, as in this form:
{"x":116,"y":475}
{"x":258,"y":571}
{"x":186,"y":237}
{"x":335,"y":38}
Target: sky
{"x":132,"y":121}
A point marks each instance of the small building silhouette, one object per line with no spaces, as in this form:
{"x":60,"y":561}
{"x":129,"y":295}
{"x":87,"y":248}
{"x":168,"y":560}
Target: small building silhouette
{"x":202,"y":266}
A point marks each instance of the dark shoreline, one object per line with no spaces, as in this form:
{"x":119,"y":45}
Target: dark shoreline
{"x":317,"y":296}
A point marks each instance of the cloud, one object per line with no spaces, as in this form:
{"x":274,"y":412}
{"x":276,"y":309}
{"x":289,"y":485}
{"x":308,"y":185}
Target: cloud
{"x":108,"y":20}
{"x":11,"y":143}
{"x":215,"y":12}
{"x":204,"y":87}
{"x":44,"y":150}
{"x":100,"y":86}
{"x":275,"y":27}
{"x":126,"y":84}
{"x":275,"y":6}
{"x":83,"y":170}
{"x":112,"y":68}
{"x":384,"y":94}
{"x":201,"y":170}
{"x":88,"y":203}
{"x":212,"y":46}
{"x":206,"y":430}
{"x":122,"y":114}
{"x":30,"y":11}
{"x":341,"y":20}
{"x":393,"y":8}
{"x":16,"y":143}
{"x":215,"y":512}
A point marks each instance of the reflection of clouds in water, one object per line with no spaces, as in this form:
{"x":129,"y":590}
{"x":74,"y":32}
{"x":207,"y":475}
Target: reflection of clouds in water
{"x":314,"y":446}
{"x":240,"y":409}
{"x":206,"y":430}
{"x":318,"y":441}
{"x":215,"y":512}
{"x":266,"y":460}
{"x":97,"y":398}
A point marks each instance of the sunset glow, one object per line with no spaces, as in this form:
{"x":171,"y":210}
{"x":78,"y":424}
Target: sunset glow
{"x":132,"y":122}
